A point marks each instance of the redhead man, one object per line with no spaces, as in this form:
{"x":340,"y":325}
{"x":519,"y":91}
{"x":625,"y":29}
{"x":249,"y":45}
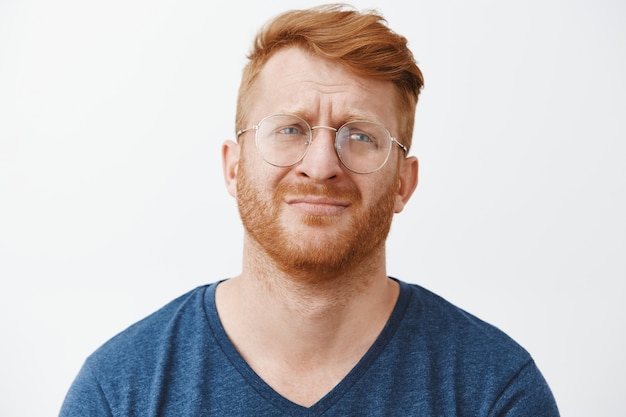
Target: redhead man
{"x":313,"y":325}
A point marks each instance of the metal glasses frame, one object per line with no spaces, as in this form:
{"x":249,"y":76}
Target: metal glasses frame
{"x":311,"y":129}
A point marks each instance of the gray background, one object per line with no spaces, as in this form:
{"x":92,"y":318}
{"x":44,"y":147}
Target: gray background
{"x":112,"y":200}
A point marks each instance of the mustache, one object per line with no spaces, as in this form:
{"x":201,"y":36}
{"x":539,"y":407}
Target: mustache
{"x":351,"y":194}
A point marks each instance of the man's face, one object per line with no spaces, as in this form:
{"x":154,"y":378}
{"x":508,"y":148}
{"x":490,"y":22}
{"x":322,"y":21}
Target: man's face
{"x":317,"y":216}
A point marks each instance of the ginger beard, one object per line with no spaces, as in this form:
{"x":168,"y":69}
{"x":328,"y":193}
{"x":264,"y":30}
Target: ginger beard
{"x":336,"y":248}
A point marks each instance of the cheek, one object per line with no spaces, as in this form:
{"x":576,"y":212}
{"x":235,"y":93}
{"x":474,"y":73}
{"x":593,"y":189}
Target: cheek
{"x":256,"y":175}
{"x":253,"y":157}
{"x":386,"y":192}
{"x":385,"y":183}
{"x":250,"y":164}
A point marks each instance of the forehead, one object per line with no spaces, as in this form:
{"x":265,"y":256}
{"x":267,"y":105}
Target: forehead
{"x":294,"y":81}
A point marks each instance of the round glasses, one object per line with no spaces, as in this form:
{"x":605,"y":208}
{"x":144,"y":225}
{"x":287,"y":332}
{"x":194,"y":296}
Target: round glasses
{"x":283,"y":140}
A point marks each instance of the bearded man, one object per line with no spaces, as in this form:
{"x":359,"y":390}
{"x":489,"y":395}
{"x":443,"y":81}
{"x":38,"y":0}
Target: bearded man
{"x":313,"y":325}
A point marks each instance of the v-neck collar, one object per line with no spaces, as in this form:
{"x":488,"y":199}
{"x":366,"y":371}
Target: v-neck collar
{"x":333,"y":396}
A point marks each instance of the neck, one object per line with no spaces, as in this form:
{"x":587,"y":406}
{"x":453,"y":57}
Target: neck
{"x":283,"y":329}
{"x":314,"y":292}
{"x":303,"y":334}
{"x":306,"y":314}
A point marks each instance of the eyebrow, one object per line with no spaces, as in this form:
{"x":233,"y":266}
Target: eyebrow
{"x":345,"y":117}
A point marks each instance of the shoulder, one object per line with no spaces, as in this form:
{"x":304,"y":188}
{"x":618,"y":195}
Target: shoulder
{"x":160,"y":354}
{"x":463,"y":360}
{"x":442,"y":328}
{"x":140,"y":343}
{"x":433,"y":310}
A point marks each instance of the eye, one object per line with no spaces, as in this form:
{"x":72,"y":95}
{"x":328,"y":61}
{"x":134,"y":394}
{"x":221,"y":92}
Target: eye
{"x":290,"y":130}
{"x":361,"y":137}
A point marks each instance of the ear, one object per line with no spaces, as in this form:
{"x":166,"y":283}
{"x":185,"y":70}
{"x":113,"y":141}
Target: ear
{"x":230,"y":164}
{"x":407,"y":182}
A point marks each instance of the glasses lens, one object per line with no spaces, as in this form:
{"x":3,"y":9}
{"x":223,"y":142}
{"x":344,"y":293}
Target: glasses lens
{"x":363,"y":147}
{"x":282,"y":140}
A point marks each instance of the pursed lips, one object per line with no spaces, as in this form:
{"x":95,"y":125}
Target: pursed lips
{"x":323,"y":206}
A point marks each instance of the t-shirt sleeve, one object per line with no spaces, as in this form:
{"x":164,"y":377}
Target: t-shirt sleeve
{"x":528,"y":394}
{"x":85,"y":397}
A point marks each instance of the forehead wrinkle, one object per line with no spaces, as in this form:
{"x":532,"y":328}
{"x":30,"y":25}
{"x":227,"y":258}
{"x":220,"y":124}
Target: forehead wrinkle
{"x":321,"y":113}
{"x":333,"y":121}
{"x":321,"y":92}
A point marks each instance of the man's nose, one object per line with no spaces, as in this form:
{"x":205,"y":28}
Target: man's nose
{"x":321,"y":162}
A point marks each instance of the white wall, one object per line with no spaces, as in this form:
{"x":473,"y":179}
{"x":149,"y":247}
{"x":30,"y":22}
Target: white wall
{"x":112,"y":201}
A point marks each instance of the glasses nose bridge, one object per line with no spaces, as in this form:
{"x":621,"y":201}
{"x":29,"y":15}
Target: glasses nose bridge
{"x":314,"y":128}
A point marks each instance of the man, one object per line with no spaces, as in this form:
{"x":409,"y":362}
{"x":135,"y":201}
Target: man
{"x":313,"y":325}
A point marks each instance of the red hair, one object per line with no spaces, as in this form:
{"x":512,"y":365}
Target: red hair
{"x":360,"y":41}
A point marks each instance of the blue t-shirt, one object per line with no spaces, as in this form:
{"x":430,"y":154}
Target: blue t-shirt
{"x":431,"y":359}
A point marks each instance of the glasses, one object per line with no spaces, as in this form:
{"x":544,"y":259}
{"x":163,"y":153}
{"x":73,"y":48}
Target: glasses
{"x":283,"y":140}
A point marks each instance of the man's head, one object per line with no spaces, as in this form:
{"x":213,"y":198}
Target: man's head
{"x":317,"y":201}
{"x":360,"y":42}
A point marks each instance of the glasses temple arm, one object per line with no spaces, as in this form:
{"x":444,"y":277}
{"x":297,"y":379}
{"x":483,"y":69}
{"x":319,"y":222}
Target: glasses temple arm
{"x":404,"y":148}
